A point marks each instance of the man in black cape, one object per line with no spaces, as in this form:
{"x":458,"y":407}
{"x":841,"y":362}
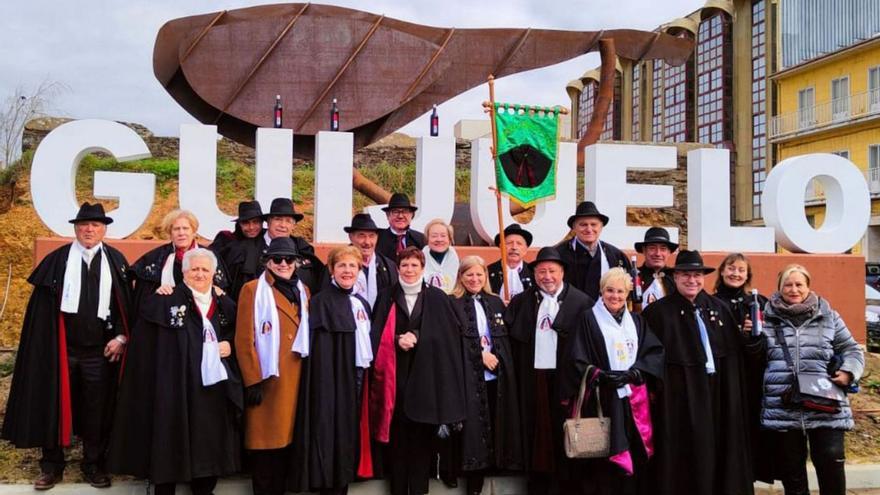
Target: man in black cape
{"x":327,"y":438}
{"x":279,"y":223}
{"x":72,"y":338}
{"x":241,"y":249}
{"x":399,"y":235}
{"x":519,"y":275}
{"x":655,"y":279}
{"x":700,"y":420}
{"x":541,"y":412}
{"x":170,"y":427}
{"x":586,"y":257}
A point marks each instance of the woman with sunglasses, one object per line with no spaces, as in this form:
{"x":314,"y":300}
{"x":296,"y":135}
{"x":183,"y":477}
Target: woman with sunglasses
{"x":416,"y":383}
{"x":271,"y":338}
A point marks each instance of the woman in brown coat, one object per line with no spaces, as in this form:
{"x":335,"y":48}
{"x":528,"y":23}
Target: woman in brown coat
{"x":269,"y":346}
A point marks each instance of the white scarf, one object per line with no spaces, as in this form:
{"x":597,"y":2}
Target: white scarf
{"x":302,"y":341}
{"x":73,"y":279}
{"x":168,"y":266}
{"x":603,"y":261}
{"x":363,"y":348}
{"x":213,"y":370}
{"x":654,"y":292}
{"x":621,"y":341}
{"x":441,"y":275}
{"x":514,"y":283}
{"x":366,"y":282}
{"x":485,"y":335}
{"x":267,"y":334}
{"x":545,"y":335}
{"x":410,"y":293}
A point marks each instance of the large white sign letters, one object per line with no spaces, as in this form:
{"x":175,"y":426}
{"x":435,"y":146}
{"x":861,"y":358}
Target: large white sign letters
{"x":848,"y":201}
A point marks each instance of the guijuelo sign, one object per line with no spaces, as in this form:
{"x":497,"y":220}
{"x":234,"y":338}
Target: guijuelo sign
{"x":708,"y":188}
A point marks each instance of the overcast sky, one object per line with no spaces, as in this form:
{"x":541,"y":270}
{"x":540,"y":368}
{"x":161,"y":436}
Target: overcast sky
{"x":102,"y":50}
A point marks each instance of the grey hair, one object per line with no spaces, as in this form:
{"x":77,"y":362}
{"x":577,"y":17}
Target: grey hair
{"x":199,"y":252}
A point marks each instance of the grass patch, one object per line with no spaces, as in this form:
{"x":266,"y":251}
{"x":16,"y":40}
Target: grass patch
{"x":17,"y":169}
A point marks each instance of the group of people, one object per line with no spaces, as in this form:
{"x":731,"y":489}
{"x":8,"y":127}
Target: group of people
{"x":397,"y":359}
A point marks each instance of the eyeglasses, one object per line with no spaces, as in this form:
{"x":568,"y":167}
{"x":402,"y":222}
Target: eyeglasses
{"x":399,"y":211}
{"x":290,"y":260}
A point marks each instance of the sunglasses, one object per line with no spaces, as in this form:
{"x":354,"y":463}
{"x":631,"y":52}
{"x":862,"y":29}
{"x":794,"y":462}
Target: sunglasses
{"x":290,"y":260}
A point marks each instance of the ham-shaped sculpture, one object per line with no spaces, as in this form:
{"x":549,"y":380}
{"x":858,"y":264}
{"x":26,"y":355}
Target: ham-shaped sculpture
{"x":225,"y":68}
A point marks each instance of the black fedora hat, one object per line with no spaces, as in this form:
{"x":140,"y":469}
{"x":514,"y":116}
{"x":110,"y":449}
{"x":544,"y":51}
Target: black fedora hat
{"x":91,"y":212}
{"x":282,"y":207}
{"x":587,"y":209}
{"x":548,"y":253}
{"x":282,"y":246}
{"x":248,"y":210}
{"x":399,"y":200}
{"x":515,"y":229}
{"x":361,"y":221}
{"x":656,"y":235}
{"x":690,"y":261}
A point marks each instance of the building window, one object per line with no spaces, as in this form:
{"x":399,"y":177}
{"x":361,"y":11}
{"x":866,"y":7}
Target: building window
{"x":714,"y":86}
{"x":759,"y":106}
{"x":587,"y":105}
{"x":840,"y":98}
{"x":806,"y":107}
{"x":842,"y":154}
{"x":874,"y":87}
{"x":874,"y":156}
{"x":636,"y":102}
{"x":657,"y":102}
{"x":677,"y":103}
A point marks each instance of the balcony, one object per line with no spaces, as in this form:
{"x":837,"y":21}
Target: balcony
{"x":826,"y":115}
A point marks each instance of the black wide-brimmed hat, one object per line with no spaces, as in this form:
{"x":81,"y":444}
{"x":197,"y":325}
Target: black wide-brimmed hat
{"x":515,"y":229}
{"x":282,"y":207}
{"x":248,"y":210}
{"x":282,"y":246}
{"x":690,"y":261}
{"x":656,"y":235}
{"x":399,"y":200}
{"x":587,"y":209}
{"x":361,"y":221}
{"x":91,"y":212}
{"x":548,"y":253}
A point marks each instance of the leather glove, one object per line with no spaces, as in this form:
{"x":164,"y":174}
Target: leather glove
{"x":253,"y":395}
{"x":618,"y":379}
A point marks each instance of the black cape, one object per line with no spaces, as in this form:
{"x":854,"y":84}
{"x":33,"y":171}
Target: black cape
{"x":584,"y":271}
{"x":33,"y":410}
{"x":520,"y":317}
{"x":762,"y":441}
{"x":387,"y":243}
{"x":488,"y":441}
{"x":241,"y":255}
{"x":327,"y":436}
{"x":168,"y":426}
{"x":701,"y":420}
{"x":430,"y":379}
{"x":588,"y":348}
{"x":496,"y":280}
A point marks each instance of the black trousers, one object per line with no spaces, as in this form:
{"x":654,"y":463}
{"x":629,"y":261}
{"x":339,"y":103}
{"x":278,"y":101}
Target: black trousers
{"x":826,"y":452}
{"x":198,"y":486}
{"x":269,"y":471}
{"x":410,"y":449}
{"x":90,"y":383}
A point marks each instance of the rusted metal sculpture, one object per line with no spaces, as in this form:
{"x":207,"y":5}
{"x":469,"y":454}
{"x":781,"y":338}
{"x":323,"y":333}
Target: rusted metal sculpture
{"x":226,"y":68}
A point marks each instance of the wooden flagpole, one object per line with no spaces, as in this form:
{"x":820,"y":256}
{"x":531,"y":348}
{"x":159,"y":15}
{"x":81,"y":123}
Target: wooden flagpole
{"x":502,"y":244}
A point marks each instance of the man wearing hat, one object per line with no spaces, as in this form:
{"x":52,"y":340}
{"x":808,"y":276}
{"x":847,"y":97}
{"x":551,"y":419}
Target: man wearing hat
{"x":701,"y":418}
{"x":656,"y":248}
{"x":398,"y":236}
{"x":73,"y":337}
{"x":519,"y":276}
{"x":378,"y":271}
{"x":240,"y":249}
{"x":541,"y":319}
{"x":279,"y":223}
{"x":587,"y":257}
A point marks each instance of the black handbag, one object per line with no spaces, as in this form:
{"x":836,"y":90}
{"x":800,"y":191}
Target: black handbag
{"x":811,"y":391}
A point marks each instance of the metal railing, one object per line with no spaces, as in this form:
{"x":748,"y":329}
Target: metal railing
{"x":872,"y":175}
{"x":830,"y":112}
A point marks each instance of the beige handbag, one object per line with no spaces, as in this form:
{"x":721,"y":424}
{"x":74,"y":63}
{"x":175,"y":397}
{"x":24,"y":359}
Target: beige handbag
{"x":587,"y":438}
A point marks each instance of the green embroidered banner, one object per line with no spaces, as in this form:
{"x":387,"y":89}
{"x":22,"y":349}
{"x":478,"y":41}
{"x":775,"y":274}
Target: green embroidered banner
{"x":525,"y":163}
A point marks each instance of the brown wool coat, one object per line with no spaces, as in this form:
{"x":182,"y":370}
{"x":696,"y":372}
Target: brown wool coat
{"x":269,"y":425}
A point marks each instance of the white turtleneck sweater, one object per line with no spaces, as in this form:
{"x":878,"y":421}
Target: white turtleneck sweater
{"x":410,"y":293}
